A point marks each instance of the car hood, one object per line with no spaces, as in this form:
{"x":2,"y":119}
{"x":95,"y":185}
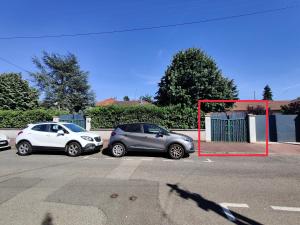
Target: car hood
{"x":180,"y":135}
{"x":88,"y":134}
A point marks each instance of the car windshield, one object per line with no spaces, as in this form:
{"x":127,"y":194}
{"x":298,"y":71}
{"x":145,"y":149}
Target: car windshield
{"x":73,"y":127}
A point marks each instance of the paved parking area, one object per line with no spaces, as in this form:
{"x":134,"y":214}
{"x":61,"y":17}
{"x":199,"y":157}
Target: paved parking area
{"x":148,"y":189}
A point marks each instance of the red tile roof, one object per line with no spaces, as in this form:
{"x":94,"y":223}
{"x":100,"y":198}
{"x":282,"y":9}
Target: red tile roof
{"x":273,"y":105}
{"x":113,"y":101}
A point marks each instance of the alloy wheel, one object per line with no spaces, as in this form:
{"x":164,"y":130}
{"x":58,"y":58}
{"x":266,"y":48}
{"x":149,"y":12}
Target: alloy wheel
{"x":176,"y":151}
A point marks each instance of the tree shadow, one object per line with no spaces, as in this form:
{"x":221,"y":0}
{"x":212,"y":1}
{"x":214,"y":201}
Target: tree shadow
{"x":48,"y":220}
{"x":208,"y":205}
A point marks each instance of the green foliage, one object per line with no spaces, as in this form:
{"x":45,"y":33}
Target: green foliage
{"x":63,"y":83}
{"x":20,"y":119}
{"x":147,"y":98}
{"x":292,"y":108}
{"x":16,"y":93}
{"x":193,"y":75}
{"x":267,"y":94}
{"x":169,"y":116}
{"x":126,"y":98}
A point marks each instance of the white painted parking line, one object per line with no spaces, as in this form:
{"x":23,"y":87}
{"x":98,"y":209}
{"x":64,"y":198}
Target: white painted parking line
{"x":208,"y":161}
{"x":284,"y":208}
{"x":127,"y":159}
{"x":150,"y":159}
{"x":86,"y":157}
{"x":168,"y":160}
{"x":225,"y":206}
{"x":108,"y":158}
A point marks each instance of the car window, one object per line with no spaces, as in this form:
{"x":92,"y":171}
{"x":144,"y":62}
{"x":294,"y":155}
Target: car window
{"x":122,"y":127}
{"x":73,"y":127}
{"x":41,"y":127}
{"x":55,"y":127}
{"x":151,"y":129}
{"x":134,"y":128}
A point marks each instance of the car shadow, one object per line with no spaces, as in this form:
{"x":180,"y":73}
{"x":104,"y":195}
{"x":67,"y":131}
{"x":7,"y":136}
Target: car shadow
{"x":208,"y":205}
{"x":142,"y":153}
{"x":57,"y":152}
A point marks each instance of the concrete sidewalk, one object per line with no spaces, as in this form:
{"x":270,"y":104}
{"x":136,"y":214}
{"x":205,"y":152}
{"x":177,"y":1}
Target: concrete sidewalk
{"x":247,"y":148}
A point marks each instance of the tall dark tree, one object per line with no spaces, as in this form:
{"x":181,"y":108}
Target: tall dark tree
{"x":126,"y":98}
{"x":267,"y":94}
{"x":15,"y":93}
{"x":193,"y":75}
{"x":62,"y":82}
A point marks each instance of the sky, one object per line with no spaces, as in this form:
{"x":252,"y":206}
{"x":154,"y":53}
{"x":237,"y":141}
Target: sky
{"x":253,"y":50}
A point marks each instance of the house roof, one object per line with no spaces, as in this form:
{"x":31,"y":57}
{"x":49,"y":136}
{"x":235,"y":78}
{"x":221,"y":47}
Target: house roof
{"x":273,"y":105}
{"x":113,"y":101}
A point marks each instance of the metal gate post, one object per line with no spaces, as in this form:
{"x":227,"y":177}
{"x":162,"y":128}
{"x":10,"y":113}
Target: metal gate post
{"x":252,"y":128}
{"x":208,"y":127}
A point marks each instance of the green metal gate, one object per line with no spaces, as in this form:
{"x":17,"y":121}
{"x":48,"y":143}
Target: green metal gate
{"x":231,"y":127}
{"x":73,"y":118}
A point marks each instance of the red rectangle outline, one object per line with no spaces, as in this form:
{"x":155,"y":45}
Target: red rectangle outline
{"x":267,"y":128}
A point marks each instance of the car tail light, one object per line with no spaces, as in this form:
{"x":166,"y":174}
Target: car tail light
{"x":113,"y":133}
{"x":20,"y":132}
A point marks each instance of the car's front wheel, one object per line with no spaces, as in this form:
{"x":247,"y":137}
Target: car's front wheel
{"x":176,"y":151}
{"x":118,"y":149}
{"x":24,"y":148}
{"x":74,"y":149}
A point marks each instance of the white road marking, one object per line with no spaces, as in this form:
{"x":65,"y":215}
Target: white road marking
{"x":108,"y":158}
{"x":284,"y":208}
{"x":127,"y":159}
{"x":168,"y":160}
{"x":208,"y":161}
{"x":225,"y":206}
{"x":150,"y":159}
{"x":86,"y":157}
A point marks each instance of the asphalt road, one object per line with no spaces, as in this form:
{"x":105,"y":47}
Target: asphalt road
{"x":148,"y":189}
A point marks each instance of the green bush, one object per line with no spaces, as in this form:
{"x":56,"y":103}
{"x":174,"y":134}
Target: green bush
{"x":20,"y":119}
{"x":169,"y":116}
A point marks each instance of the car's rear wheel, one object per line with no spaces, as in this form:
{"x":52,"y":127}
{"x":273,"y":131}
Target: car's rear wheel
{"x":74,"y":149}
{"x":24,"y":148}
{"x":118,"y":150}
{"x":176,"y":151}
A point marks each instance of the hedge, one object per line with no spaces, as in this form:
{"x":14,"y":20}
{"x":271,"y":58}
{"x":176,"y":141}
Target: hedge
{"x":20,"y":119}
{"x":170,"y":116}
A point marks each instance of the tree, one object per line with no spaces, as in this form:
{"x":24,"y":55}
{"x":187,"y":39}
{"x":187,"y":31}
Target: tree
{"x":193,"y":75}
{"x":267,"y":94}
{"x":62,"y":82}
{"x":16,"y":94}
{"x":126,"y":98}
{"x":292,"y":108}
{"x":147,"y":98}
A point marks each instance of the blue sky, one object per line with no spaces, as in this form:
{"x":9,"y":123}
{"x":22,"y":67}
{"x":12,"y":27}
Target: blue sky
{"x":254,"y":50}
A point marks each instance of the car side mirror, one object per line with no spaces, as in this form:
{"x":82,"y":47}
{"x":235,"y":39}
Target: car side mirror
{"x":60,"y":133}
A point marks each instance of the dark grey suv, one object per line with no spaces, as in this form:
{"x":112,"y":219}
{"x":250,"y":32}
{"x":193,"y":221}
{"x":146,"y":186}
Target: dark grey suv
{"x":149,"y":137}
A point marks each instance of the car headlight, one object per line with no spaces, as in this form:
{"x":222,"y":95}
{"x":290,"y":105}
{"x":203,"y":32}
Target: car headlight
{"x":188,"y":139}
{"x":87,"y":138}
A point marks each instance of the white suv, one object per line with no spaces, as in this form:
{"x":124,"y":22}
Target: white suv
{"x":67,"y":137}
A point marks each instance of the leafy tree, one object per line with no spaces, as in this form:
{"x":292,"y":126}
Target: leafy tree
{"x":147,"y":98}
{"x":62,"y":82}
{"x":292,"y":108}
{"x":16,"y":94}
{"x":267,"y":94}
{"x":126,"y":98}
{"x":193,"y":75}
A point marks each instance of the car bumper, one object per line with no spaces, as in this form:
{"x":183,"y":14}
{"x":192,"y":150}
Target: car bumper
{"x":93,"y":147}
{"x":4,"y":144}
{"x":190,"y":148}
